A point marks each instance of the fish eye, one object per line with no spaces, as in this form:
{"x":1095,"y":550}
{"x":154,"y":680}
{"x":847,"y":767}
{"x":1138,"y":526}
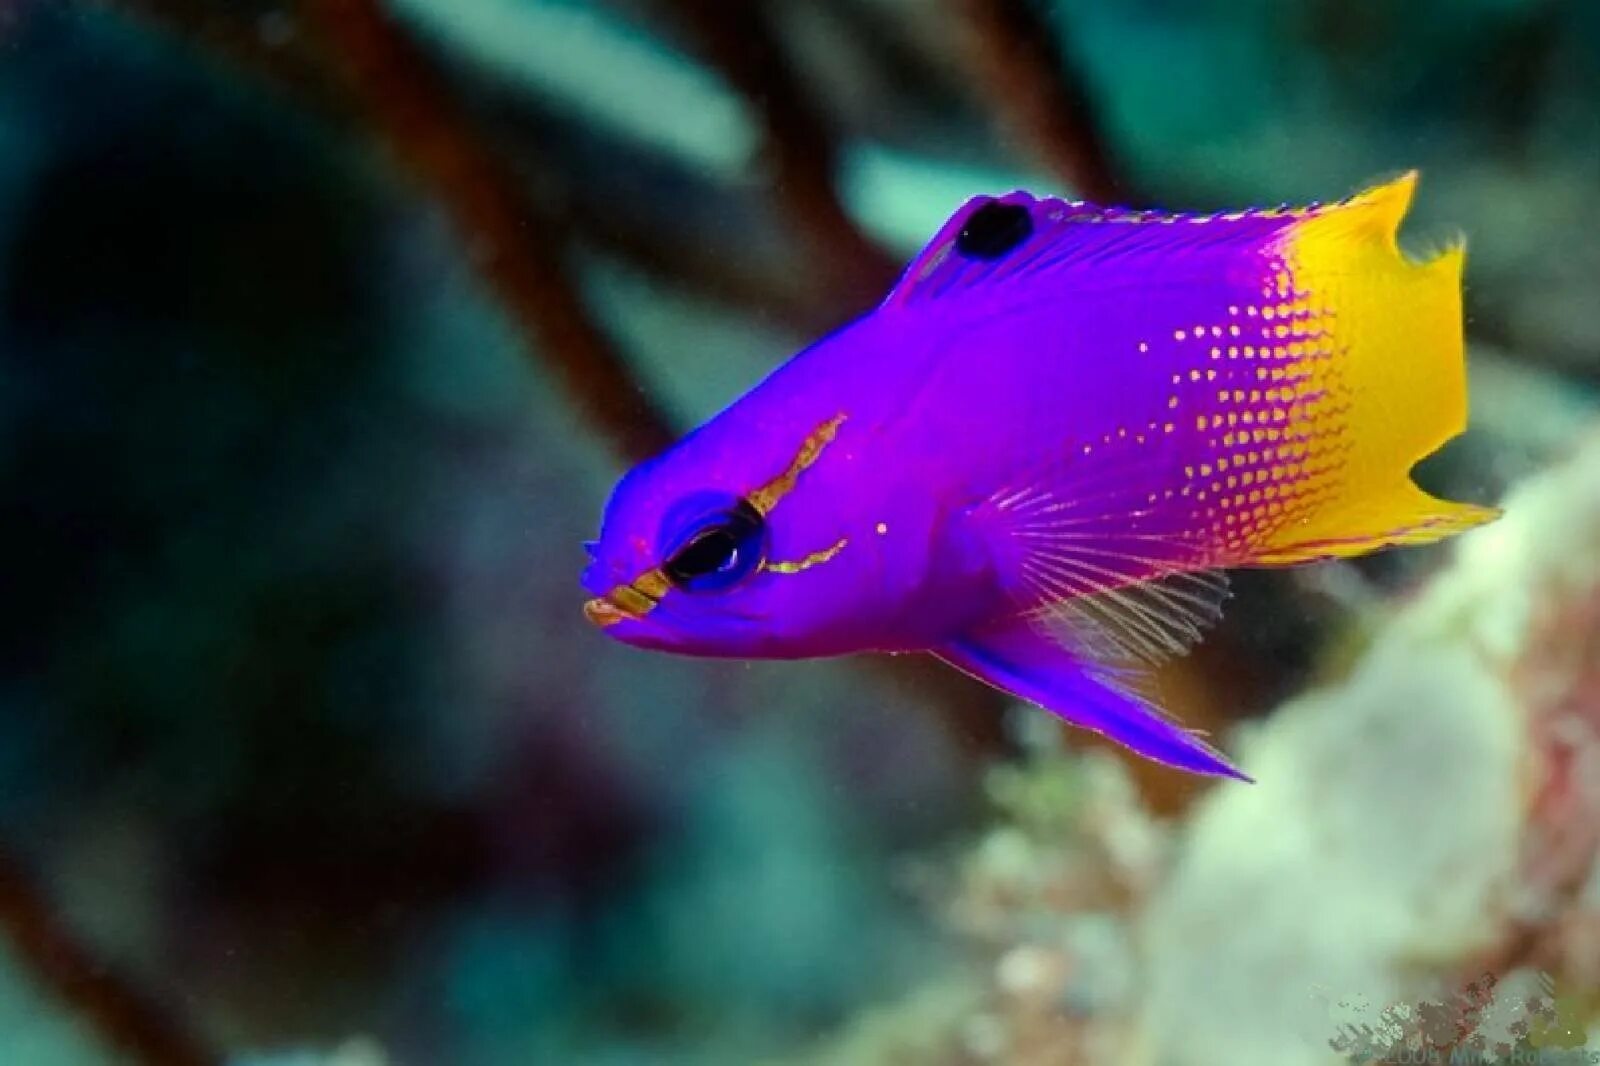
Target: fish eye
{"x":993,"y":230}
{"x":719,"y":551}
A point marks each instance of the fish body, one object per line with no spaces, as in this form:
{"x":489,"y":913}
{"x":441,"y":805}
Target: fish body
{"x":1037,"y":456}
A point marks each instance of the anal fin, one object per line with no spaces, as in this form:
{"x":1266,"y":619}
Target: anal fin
{"x":1016,"y":657}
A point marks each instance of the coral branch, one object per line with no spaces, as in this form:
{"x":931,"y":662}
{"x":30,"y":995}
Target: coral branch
{"x":370,"y":79}
{"x":665,"y":235}
{"x":740,"y":41}
{"x":124,"y":1016}
{"x":514,"y":245}
{"x":280,"y":58}
{"x":1045,"y":104}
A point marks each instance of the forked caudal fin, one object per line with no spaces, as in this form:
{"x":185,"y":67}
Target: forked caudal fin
{"x":1387,"y":363}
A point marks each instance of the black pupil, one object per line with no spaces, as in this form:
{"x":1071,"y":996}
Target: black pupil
{"x":993,"y":230}
{"x":708,"y":552}
{"x":718,"y":549}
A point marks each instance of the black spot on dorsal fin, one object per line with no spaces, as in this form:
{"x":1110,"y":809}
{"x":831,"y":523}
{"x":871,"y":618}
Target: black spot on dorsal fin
{"x":993,"y":230}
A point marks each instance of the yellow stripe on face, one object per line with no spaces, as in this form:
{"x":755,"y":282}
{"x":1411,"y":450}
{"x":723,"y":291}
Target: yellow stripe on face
{"x":602,"y":612}
{"x":814,"y":559}
{"x":631,"y":600}
{"x":767,"y":496}
{"x":653,"y":583}
{"x":637,"y":598}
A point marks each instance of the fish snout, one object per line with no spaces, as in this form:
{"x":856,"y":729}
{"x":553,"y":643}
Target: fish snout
{"x":602,"y":612}
{"x":630,"y":601}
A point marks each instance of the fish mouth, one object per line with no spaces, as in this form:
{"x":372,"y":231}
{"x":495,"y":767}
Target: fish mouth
{"x":627,"y":602}
{"x":601,"y":612}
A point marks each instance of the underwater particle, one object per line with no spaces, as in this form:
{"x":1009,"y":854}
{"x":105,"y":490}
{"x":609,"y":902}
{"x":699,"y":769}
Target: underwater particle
{"x":1032,"y":972}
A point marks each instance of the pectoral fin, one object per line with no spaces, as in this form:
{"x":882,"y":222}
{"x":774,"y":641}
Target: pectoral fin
{"x":1016,"y":657}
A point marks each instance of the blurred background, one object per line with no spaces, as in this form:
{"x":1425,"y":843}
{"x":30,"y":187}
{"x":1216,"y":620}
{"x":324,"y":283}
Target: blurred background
{"x":326,"y":327}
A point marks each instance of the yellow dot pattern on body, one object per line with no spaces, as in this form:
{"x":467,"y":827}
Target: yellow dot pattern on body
{"x":1265,"y":405}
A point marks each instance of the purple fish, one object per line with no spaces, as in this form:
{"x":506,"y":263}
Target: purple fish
{"x":1037,"y":455}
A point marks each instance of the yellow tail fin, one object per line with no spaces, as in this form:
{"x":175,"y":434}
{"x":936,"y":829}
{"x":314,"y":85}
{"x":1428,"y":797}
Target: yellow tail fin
{"x":1391,"y":377}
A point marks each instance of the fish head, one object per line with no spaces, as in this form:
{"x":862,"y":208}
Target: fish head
{"x":736,"y":542}
{"x":777,"y":530}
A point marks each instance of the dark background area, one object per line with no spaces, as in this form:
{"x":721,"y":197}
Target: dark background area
{"x":326,"y":328}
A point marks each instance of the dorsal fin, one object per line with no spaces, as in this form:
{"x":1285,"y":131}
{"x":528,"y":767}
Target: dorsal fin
{"x":998,"y":238}
{"x":947,"y":261}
